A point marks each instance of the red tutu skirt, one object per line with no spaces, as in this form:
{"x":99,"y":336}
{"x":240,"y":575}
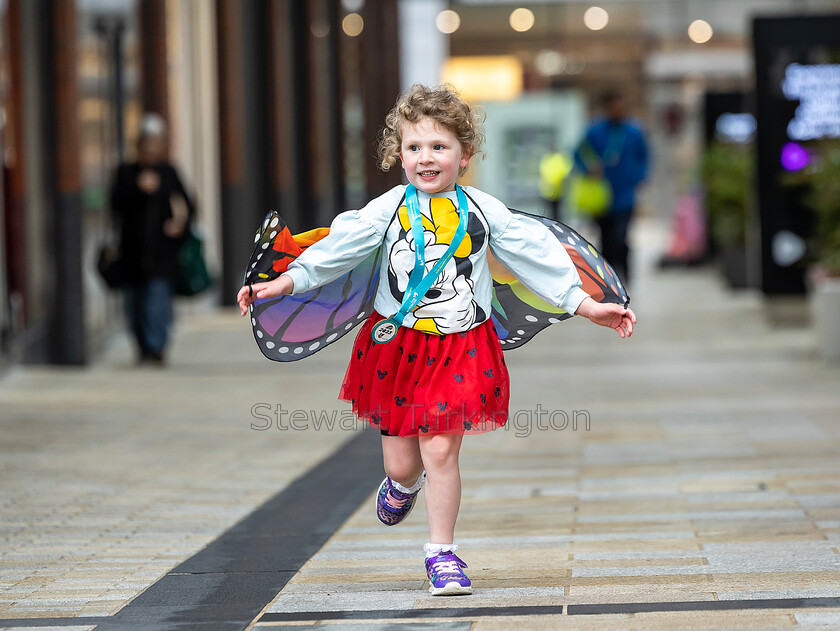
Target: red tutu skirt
{"x":423,"y":384}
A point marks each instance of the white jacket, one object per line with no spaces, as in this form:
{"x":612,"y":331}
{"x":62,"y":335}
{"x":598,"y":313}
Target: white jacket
{"x":461,"y":296}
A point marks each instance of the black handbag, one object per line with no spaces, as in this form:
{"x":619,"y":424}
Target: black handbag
{"x":193,"y":277}
{"x":110,"y":266}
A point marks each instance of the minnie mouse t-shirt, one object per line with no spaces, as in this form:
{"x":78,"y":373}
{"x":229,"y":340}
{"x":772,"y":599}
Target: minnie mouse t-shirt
{"x":461,"y":295}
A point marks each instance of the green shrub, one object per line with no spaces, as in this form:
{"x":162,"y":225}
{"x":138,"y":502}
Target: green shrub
{"x":727,"y":171}
{"x":824,"y":199}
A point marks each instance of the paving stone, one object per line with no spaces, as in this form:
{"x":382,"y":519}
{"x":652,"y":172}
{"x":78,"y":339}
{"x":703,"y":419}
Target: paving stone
{"x":381,"y":626}
{"x":785,"y":557}
{"x":632,"y":555}
{"x":49,"y":628}
{"x":348,"y":601}
{"x":295,"y":587}
{"x":780,"y":594}
{"x":718,"y":516}
{"x":819,"y":618}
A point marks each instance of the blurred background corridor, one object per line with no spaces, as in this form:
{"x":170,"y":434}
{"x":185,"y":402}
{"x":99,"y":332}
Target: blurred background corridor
{"x":273,"y":104}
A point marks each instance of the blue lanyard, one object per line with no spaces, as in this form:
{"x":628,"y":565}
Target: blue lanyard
{"x":615,"y":145}
{"x":612,"y":152}
{"x":418,"y":283}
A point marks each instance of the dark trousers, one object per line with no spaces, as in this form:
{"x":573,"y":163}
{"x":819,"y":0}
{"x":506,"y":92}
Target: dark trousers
{"x":149,"y":310}
{"x":553,"y":208}
{"x":614,"y":246}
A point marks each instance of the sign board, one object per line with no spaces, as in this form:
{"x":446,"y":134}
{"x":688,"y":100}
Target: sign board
{"x":797,"y":62}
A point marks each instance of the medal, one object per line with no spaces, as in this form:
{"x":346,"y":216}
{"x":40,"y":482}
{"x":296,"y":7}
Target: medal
{"x":384,"y":331}
{"x":418,"y":283}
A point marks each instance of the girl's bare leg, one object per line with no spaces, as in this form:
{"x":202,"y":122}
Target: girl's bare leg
{"x":443,"y":484}
{"x":401,"y":456}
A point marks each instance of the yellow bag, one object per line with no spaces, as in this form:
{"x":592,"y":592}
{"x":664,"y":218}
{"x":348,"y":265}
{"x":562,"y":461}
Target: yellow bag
{"x":554,"y":169}
{"x":591,"y":196}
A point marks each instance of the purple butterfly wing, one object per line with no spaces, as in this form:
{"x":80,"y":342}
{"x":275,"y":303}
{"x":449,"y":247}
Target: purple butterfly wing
{"x":289,"y":328}
{"x":519,"y":315}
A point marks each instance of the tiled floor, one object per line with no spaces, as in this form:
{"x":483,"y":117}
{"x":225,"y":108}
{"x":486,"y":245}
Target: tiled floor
{"x":111,"y":476}
{"x":703,"y":468}
{"x":709,"y":473}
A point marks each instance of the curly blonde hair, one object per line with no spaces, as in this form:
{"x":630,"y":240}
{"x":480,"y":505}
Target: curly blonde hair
{"x":443,"y":105}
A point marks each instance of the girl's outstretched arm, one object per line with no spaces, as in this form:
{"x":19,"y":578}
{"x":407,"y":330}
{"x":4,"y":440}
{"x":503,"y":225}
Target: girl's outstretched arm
{"x":280,"y":286}
{"x":608,"y":314}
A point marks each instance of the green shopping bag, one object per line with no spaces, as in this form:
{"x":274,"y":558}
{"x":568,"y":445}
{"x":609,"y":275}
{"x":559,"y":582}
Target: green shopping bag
{"x":193,"y":277}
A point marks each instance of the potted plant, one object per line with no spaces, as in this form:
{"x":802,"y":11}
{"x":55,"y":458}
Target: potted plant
{"x":727,"y":172}
{"x":824,"y":199}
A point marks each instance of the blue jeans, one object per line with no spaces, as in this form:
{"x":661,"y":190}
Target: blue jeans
{"x":149,"y":311}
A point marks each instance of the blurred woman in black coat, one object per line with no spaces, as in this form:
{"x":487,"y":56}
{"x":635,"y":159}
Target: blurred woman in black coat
{"x":153,"y":211}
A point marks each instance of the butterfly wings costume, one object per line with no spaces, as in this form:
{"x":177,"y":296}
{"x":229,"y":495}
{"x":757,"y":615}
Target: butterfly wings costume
{"x":364,"y":267}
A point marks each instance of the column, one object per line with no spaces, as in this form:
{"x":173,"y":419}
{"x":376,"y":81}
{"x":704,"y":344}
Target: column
{"x":154,"y":77}
{"x":380,"y":84}
{"x":15,"y":181}
{"x":243,"y":114}
{"x":288,"y":112}
{"x":62,"y":169}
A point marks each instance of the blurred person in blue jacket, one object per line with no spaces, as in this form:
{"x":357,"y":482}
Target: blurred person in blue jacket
{"x":614,"y":147}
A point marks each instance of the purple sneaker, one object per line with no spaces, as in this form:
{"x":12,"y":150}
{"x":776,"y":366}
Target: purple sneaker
{"x":392,"y":505}
{"x":446,"y":576}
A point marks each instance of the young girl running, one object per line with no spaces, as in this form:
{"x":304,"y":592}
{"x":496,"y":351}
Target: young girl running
{"x":427,"y":366}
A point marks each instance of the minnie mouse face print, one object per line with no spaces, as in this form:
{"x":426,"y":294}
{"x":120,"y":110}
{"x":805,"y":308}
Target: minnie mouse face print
{"x":448,"y":305}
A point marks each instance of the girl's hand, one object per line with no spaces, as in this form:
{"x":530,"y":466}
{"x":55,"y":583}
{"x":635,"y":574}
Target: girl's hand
{"x":609,"y":315}
{"x":280,"y":286}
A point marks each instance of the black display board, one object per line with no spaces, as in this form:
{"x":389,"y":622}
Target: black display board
{"x":727,"y":117}
{"x":797,"y":68}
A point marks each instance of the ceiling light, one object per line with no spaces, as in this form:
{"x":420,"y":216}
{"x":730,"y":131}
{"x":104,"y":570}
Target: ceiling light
{"x":447,"y":21}
{"x":550,"y":63}
{"x":700,"y":31}
{"x":596,"y":18}
{"x":521,"y":20}
{"x":353,"y":24}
